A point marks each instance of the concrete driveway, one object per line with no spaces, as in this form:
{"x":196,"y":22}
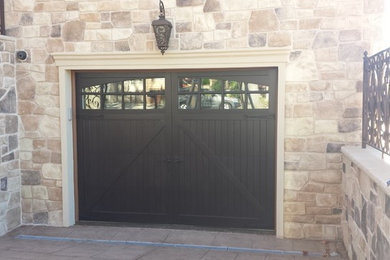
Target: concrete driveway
{"x":140,"y":243}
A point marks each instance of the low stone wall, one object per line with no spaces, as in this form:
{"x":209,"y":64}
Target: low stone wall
{"x":366,"y":211}
{"x":10,"y":213}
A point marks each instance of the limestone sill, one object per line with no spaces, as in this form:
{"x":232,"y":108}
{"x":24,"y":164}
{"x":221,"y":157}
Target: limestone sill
{"x":370,"y":161}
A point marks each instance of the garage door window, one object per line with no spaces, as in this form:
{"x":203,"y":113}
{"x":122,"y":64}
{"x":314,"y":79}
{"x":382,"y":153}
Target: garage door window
{"x":132,"y":94}
{"x":214,"y":93}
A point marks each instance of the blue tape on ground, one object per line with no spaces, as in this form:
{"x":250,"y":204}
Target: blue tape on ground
{"x":155,"y":244}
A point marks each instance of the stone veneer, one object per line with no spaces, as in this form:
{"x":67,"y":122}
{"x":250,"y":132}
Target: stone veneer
{"x":10,"y":209}
{"x":366,"y":210}
{"x":323,"y":89}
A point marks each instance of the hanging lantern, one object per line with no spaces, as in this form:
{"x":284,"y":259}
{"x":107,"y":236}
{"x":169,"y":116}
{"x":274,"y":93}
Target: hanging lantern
{"x":162,"y":30}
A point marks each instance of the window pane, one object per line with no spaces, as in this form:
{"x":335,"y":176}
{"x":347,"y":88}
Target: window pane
{"x":187,"y":101}
{"x":92,"y":89}
{"x":234,"y":101}
{"x":113,"y":87}
{"x":90,"y":102}
{"x":134,"y":85}
{"x":187,"y":85}
{"x":234,"y":86}
{"x":210,"y":101}
{"x":257,"y":87}
{"x":113,"y":102}
{"x":155,"y":102}
{"x":258,"y":101}
{"x":212,"y":85}
{"x":134,"y":102}
{"x":155,"y":84}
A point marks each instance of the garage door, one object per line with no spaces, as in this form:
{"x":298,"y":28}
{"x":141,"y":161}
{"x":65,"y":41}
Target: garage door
{"x":184,"y":147}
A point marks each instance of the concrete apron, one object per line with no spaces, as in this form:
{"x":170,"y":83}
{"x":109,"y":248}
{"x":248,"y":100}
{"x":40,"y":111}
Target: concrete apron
{"x":163,"y":240}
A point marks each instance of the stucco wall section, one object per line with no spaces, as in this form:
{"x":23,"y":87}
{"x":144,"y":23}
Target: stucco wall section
{"x":323,"y":90}
{"x":10,"y":209}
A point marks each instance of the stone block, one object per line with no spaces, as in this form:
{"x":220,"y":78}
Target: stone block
{"x":327,"y":200}
{"x":325,"y":40}
{"x":26,"y":205}
{"x":54,"y":205}
{"x":303,"y":110}
{"x":257,"y":39}
{"x":212,"y":6}
{"x":306,"y":197}
{"x":295,"y":180}
{"x":279,"y":39}
{"x":297,"y":208}
{"x":26,"y":191}
{"x":31,"y":177}
{"x":55,"y":218}
{"x":382,"y":245}
{"x":309,"y":24}
{"x":51,"y":171}
{"x":303,"y":68}
{"x":353,"y":112}
{"x":40,"y":192}
{"x":326,"y":176}
{"x":312,"y":161}
{"x":14,"y":200}
{"x":333,"y":188}
{"x":294,"y":144}
{"x":184,"y":27}
{"x":121,"y":19}
{"x":299,"y":127}
{"x":335,"y":220}
{"x":191,"y":41}
{"x":39,"y":205}
{"x":203,"y":23}
{"x":313,"y":187}
{"x":55,"y":45}
{"x":214,"y":45}
{"x":318,"y":211}
{"x":41,"y":218}
{"x":13,"y":218}
{"x":73,"y":31}
{"x":349,"y":125}
{"x":312,"y":231}
{"x":334,"y":148}
{"x":55,"y":194}
{"x":350,"y":35}
{"x":181,"y":3}
{"x":122,"y":46}
{"x":40,"y":156}
{"x":351,"y":52}
{"x":293,"y":230}
{"x":8,"y":102}
{"x":49,"y":127}
{"x":263,"y":21}
{"x":11,"y":124}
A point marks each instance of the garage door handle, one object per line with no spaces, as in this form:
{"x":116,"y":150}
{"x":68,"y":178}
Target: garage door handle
{"x":173,"y":160}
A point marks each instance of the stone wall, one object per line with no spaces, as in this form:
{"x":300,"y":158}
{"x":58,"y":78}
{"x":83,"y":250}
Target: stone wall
{"x":10,"y":210}
{"x":323,"y":90}
{"x":366,"y":210}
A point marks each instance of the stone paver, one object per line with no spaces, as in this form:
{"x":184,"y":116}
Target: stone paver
{"x":83,"y":247}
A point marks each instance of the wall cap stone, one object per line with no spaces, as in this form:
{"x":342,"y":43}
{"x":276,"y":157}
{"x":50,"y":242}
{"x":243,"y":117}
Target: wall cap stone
{"x":7,"y":38}
{"x":369,"y":160}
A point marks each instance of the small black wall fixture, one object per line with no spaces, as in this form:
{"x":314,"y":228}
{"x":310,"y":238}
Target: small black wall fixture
{"x":162,"y":30}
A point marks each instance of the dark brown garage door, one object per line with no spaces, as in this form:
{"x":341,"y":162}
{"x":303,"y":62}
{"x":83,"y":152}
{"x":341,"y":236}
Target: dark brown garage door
{"x":180,"y":147}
